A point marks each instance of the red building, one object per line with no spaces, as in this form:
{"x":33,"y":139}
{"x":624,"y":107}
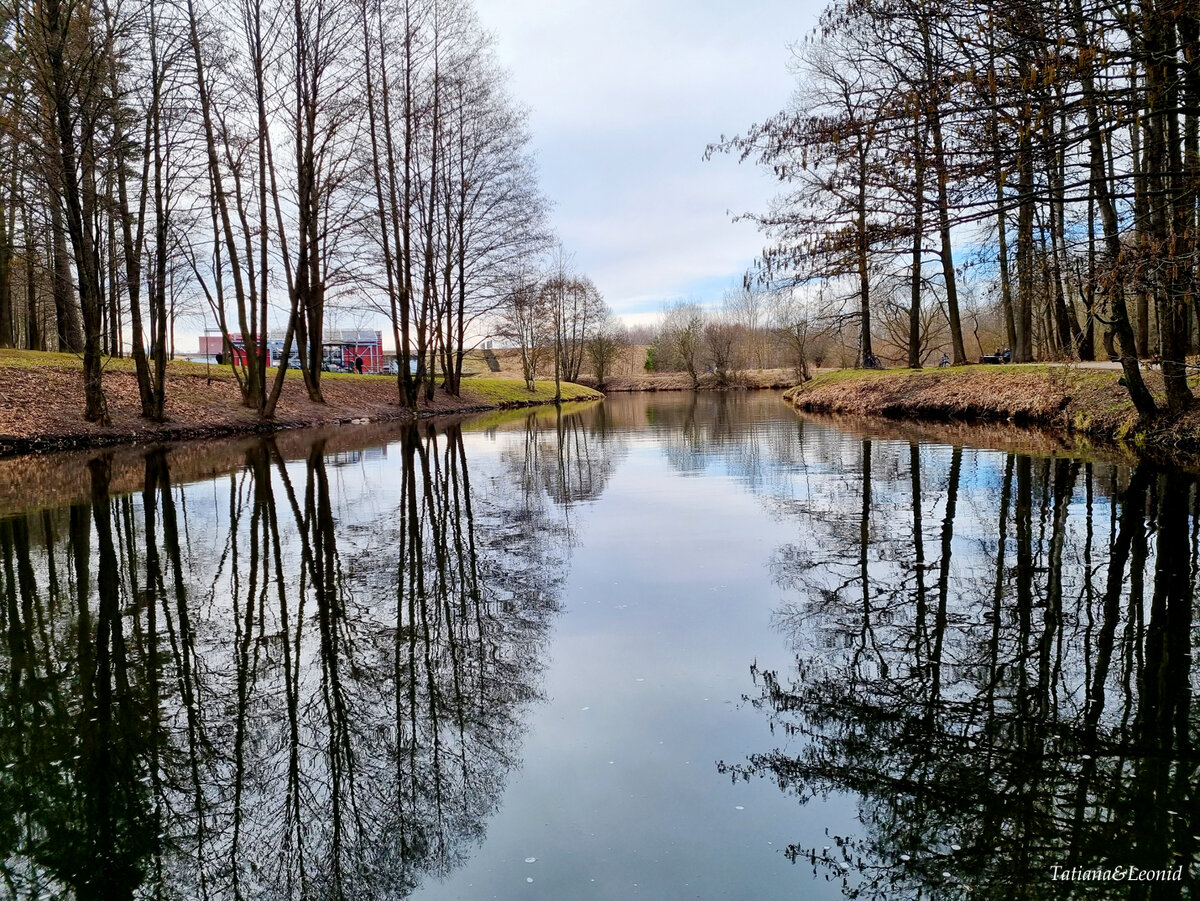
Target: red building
{"x":213,"y":345}
{"x":342,"y":349}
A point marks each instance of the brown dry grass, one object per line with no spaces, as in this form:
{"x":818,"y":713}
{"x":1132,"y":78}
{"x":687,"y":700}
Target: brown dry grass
{"x":1088,"y":402}
{"x":630,"y":362}
{"x":628,"y":373}
{"x":41,"y":403}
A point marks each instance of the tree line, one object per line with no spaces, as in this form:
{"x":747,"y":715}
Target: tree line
{"x":268,"y":161}
{"x":1048,"y":152}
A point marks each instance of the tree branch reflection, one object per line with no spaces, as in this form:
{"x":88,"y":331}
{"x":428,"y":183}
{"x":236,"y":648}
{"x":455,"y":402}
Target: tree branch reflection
{"x":1030,"y":708}
{"x":290,"y":682}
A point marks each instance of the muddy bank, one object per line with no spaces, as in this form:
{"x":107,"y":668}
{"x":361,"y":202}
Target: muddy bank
{"x":41,"y":404}
{"x":1078,"y":402}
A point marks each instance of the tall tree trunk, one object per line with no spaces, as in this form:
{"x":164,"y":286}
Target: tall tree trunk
{"x":131,"y":244}
{"x":949,"y":277}
{"x":1066,"y":325}
{"x":1170,"y":216}
{"x":7,"y":319}
{"x":223,"y":224}
{"x":35,"y":338}
{"x":918,"y":234}
{"x":66,"y":307}
{"x":309,"y":282}
{"x":1023,"y":351}
{"x":388,"y":224}
{"x":79,"y":200}
{"x":158,"y":286}
{"x":1142,"y":299}
{"x":1143,"y":401}
{"x":864,"y":276}
{"x":408,"y":379}
{"x":1087,"y":346}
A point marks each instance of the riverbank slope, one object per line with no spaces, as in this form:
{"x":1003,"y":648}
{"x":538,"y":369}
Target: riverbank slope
{"x":41,"y":403}
{"x":1090,"y":402}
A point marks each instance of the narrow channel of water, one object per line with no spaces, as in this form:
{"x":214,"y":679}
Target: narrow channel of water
{"x":667,"y":646}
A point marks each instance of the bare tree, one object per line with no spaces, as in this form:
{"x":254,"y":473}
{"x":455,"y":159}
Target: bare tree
{"x":749,"y":310}
{"x":606,"y":345}
{"x":683,"y":337}
{"x":69,"y":60}
{"x":525,"y":322}
{"x":791,"y":317}
{"x":721,"y":338}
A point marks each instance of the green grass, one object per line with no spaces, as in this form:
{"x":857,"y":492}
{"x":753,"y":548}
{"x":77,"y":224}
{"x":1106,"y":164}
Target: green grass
{"x":544,"y":415}
{"x":513,"y":391}
{"x":41,"y":359}
{"x":1072,"y":374}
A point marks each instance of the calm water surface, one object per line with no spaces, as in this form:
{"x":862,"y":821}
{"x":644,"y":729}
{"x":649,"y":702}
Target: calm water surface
{"x":666,"y":646}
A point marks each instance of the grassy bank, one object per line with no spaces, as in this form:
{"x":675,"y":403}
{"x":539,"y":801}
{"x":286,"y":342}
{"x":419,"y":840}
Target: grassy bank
{"x":1088,"y":402}
{"x":41,"y":402}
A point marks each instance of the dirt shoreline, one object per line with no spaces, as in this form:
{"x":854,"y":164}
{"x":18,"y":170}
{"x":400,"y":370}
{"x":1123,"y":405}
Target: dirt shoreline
{"x":41,"y":403}
{"x":1073,"y":401}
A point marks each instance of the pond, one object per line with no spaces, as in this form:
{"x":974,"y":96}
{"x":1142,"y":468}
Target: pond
{"x":664,"y":646}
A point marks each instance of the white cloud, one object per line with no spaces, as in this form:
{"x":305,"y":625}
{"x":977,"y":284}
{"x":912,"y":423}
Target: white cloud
{"x":624,"y":97}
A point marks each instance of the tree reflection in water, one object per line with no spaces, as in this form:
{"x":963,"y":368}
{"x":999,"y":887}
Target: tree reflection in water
{"x":242,"y":690}
{"x":994,"y":655}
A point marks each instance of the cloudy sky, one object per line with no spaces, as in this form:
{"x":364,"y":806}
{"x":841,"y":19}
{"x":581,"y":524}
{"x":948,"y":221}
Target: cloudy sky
{"x":623,"y":97}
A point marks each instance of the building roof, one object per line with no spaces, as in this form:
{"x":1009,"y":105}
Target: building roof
{"x":331,"y":336}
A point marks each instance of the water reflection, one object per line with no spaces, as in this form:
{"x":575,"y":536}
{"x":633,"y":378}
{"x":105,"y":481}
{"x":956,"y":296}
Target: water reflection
{"x":288,"y":682}
{"x":311,"y":675}
{"x":993,"y":653}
